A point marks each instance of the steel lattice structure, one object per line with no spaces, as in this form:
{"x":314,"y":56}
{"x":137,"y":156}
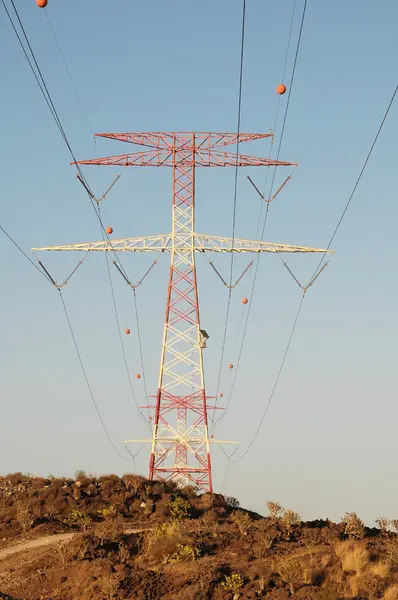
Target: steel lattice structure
{"x":180,"y":440}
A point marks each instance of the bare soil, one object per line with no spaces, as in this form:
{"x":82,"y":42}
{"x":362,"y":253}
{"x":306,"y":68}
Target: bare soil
{"x":114,"y":538}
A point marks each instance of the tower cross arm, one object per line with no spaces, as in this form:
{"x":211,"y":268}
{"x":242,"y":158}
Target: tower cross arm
{"x":150,"y":243}
{"x":188,"y":157}
{"x":199,"y":242}
{"x":171,"y":139}
{"x":214,"y":243}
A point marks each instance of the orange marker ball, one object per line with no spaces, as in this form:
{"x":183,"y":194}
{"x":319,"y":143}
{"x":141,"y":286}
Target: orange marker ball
{"x":127,"y":331}
{"x":230,"y":366}
{"x":138,"y":376}
{"x":109,"y":230}
{"x":41,"y":3}
{"x":281,"y":89}
{"x":245,"y":300}
{"x":220,"y":395}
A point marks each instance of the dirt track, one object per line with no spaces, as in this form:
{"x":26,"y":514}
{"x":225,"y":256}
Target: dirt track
{"x":47,"y":540}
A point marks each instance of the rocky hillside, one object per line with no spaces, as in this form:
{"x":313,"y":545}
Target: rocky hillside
{"x":113,"y":538}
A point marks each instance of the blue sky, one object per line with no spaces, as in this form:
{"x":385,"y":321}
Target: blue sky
{"x":328,"y":444}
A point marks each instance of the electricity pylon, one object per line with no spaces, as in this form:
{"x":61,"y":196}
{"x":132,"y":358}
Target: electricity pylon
{"x":180,"y":425}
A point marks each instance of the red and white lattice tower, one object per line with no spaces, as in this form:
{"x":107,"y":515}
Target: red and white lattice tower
{"x":180,"y":439}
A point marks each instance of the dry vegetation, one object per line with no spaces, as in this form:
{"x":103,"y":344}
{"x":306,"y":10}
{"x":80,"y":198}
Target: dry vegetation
{"x":151,"y":540}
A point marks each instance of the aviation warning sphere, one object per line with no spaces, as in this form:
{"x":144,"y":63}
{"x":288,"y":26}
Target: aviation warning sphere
{"x":127,"y":331}
{"x":281,"y":89}
{"x":230,"y":366}
{"x":245,"y":300}
{"x":109,"y":230}
{"x":41,"y":3}
{"x":220,"y":395}
{"x":138,"y":376}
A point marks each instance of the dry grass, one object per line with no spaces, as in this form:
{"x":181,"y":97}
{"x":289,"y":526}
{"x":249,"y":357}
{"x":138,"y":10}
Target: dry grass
{"x":353,"y":556}
{"x":381,"y":569}
{"x":391,"y":593}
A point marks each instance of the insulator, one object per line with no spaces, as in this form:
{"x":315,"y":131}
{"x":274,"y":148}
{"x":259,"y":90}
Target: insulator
{"x":281,"y":89}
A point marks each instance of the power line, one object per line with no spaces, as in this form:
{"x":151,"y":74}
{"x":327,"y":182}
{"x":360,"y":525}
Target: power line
{"x":359,"y":178}
{"x":121,"y":339}
{"x":317,"y":270}
{"x":47,"y":96}
{"x":24,"y":253}
{"x":222,"y":416}
{"x":69,"y":73}
{"x":242,"y":47}
{"x":86,"y":378}
{"x":282,"y":364}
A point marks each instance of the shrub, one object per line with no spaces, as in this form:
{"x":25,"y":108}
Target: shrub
{"x":185,"y":553}
{"x":290,"y":518}
{"x":291,"y":572}
{"x":275,"y":510}
{"x":108,"y":531}
{"x":232,"y":502}
{"x":180,"y":508}
{"x":394,"y":523}
{"x":109,"y":585}
{"x":108,"y":513}
{"x":267,"y":534}
{"x":383,"y":524}
{"x":392,"y":549}
{"x":232,"y":583}
{"x":79,"y":519}
{"x":242,"y":520}
{"x":353,"y":525}
{"x":371,"y":584}
{"x":79,"y":475}
{"x":166,"y":530}
{"x":80,"y":546}
{"x":132,"y":483}
{"x":24,"y":516}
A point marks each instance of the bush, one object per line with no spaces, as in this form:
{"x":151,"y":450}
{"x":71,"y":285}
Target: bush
{"x":185,"y":553}
{"x":108,"y":531}
{"x":24,"y":516}
{"x":78,"y":519}
{"x":275,"y":510}
{"x":109,"y":585}
{"x":242,"y":520}
{"x":290,"y":518}
{"x":180,"y":508}
{"x":383,"y":524}
{"x":392,"y":549}
{"x":291,"y":572}
{"x":371,"y":584}
{"x":353,"y":525}
{"x":232,"y":583}
{"x":108,"y":513}
{"x":232,"y":502}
